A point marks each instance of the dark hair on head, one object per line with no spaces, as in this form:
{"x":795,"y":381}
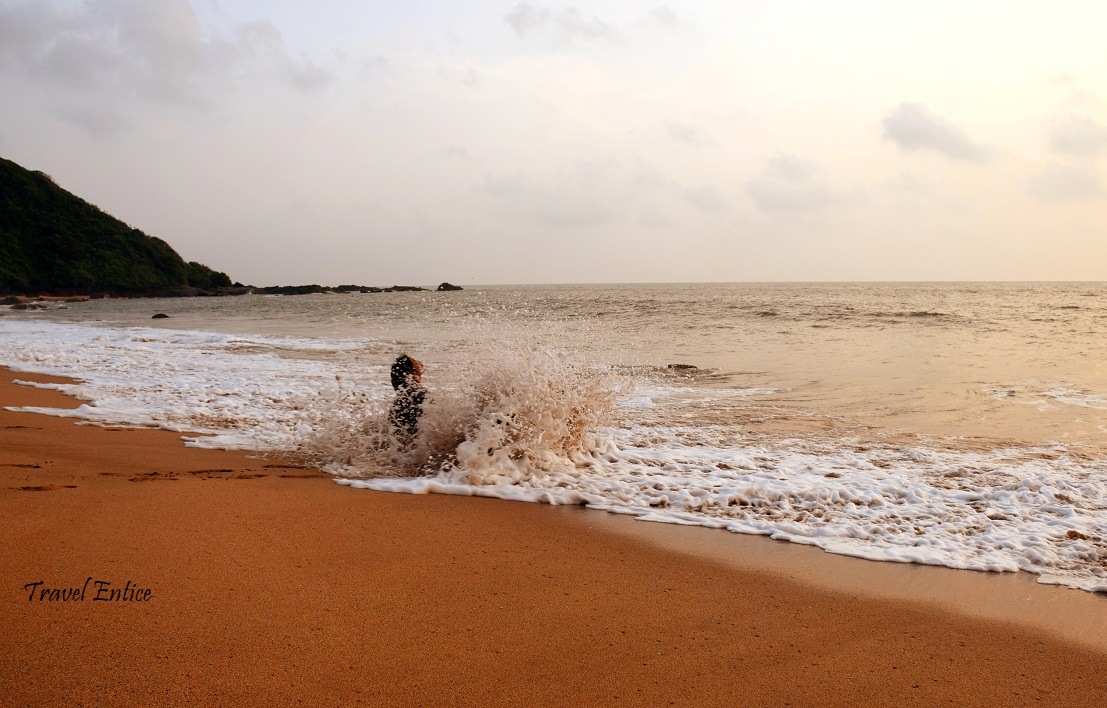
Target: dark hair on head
{"x":402,"y":369}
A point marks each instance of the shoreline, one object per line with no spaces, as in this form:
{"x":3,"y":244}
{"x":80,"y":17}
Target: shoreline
{"x":1017,"y":599}
{"x":270,"y":582}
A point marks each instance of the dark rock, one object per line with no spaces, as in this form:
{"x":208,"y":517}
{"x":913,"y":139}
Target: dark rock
{"x":307,"y":290}
{"x":682,"y":367}
{"x":10,"y":301}
{"x":357,"y":289}
{"x":446,"y":286}
{"x":292,"y":289}
{"x":160,"y":316}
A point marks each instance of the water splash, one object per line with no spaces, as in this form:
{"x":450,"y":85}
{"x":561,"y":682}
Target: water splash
{"x":516,"y":412}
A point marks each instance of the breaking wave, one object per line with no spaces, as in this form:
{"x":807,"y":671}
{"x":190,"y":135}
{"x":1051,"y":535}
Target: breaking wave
{"x":514,"y":414}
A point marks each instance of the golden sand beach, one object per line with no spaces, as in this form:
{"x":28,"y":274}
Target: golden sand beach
{"x":270,"y":584}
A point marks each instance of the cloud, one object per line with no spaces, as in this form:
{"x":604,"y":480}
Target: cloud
{"x":573,"y":198}
{"x":571,"y":23}
{"x":102,"y":58}
{"x":791,"y":184}
{"x":364,"y":66}
{"x":1082,"y":137}
{"x":305,"y":76}
{"x":102,"y":118}
{"x":688,"y":134}
{"x":524,"y":18}
{"x":455,"y":154}
{"x":707,"y":199}
{"x":578,"y":194}
{"x":1074,"y":93}
{"x":1063,"y":183}
{"x":912,"y":127}
{"x":665,"y":17}
{"x":566,"y":23}
{"x":916,"y":190}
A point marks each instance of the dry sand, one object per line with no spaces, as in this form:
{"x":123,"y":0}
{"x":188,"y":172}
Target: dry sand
{"x":271,"y":584}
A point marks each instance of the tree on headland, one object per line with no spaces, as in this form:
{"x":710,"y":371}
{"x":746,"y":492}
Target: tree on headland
{"x":53,"y":242}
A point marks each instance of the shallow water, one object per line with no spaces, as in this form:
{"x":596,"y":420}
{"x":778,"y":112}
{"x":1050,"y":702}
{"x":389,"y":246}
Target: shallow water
{"x":955,"y":424}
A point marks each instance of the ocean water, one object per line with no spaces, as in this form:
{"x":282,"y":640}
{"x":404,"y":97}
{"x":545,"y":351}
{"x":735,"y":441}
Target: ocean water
{"x":962,"y":425}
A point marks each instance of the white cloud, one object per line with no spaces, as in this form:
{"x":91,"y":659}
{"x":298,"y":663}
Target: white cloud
{"x":576,"y":196}
{"x":912,"y":126}
{"x":688,"y":134}
{"x":665,"y":17}
{"x":915,"y":190}
{"x":1064,"y":183}
{"x":101,"y":117}
{"x":707,"y":199}
{"x":99,"y":61}
{"x":524,"y":18}
{"x":1078,"y":136}
{"x":455,"y":154}
{"x":566,"y":23}
{"x":582,"y":194}
{"x":791,"y":184}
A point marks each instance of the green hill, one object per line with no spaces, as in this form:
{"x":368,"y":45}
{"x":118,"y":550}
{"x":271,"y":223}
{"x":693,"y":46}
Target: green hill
{"x":52,"y":242}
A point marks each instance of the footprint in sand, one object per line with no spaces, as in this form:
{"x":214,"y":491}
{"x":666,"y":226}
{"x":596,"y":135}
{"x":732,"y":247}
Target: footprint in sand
{"x":202,"y":474}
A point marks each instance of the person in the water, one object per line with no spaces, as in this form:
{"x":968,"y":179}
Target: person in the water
{"x":407,"y":408}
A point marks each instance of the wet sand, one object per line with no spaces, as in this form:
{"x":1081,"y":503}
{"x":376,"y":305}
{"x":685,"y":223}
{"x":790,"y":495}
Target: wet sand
{"x":271,"y":584}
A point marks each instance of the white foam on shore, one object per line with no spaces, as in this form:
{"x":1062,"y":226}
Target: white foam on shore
{"x":1032,"y":510}
{"x":237,"y":391}
{"x":1041,"y":510}
{"x":1050,"y":396}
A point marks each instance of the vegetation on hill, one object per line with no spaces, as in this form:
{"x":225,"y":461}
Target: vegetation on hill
{"x":52,"y":242}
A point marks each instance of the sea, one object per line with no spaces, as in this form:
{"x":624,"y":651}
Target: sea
{"x":953,"y":424}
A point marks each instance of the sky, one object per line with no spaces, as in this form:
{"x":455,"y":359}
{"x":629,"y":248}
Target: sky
{"x":488,"y":142}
